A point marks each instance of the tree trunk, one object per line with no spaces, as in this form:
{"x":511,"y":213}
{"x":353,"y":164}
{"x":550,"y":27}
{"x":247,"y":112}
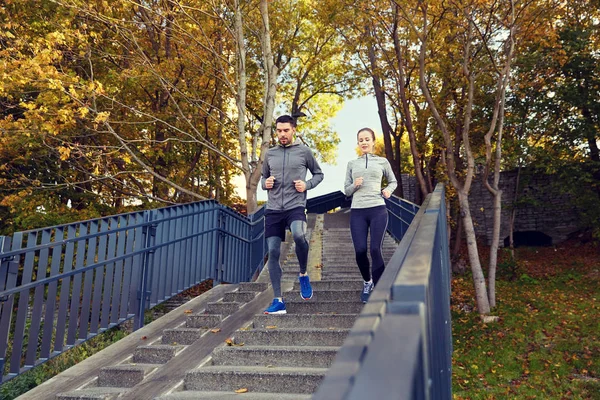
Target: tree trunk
{"x":270,"y":89}
{"x":386,"y":128}
{"x":483,"y":304}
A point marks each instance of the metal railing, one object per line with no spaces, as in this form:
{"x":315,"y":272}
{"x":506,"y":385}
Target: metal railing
{"x":401,"y":344}
{"x":327,"y":202}
{"x":63,"y":285}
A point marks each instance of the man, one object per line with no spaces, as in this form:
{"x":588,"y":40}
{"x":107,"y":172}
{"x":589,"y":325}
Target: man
{"x":284,"y":178}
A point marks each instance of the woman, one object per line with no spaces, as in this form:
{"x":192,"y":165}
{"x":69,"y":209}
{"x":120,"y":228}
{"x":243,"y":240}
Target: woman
{"x":368,"y":211}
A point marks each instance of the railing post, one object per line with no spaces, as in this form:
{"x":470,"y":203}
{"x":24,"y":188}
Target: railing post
{"x":221,"y":218}
{"x":148,"y":235}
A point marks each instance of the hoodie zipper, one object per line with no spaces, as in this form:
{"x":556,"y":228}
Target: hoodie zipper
{"x":366,"y":160}
{"x":283,"y":177}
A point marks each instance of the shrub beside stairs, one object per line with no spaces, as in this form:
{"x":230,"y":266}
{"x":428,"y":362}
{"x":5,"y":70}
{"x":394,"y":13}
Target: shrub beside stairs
{"x":230,"y":347}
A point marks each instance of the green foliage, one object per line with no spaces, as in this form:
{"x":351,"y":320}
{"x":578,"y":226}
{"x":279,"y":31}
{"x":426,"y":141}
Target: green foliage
{"x":32,"y":378}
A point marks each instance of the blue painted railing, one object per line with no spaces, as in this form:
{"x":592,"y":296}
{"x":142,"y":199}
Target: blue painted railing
{"x":62,"y":285}
{"x":401,"y":345}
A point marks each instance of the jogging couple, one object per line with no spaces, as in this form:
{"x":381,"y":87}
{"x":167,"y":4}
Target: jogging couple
{"x":284,"y":179}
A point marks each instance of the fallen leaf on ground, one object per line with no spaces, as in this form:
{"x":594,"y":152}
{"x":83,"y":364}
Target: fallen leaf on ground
{"x":229,"y":342}
{"x":215,"y":330}
{"x":242,"y":390}
{"x":271,"y":326}
{"x":188,"y":311}
{"x":144,"y":337}
{"x":489,"y":318}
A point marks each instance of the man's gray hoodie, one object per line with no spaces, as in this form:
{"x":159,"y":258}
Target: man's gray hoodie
{"x":371,"y":168}
{"x":288,"y":164}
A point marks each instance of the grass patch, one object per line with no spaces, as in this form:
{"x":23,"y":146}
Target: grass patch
{"x":546,"y":344}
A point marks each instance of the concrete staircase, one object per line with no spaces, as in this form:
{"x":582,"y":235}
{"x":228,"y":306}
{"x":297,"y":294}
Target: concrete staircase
{"x":230,"y":347}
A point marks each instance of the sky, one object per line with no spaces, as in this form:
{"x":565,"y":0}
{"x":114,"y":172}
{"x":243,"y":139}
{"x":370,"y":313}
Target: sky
{"x":355,"y":114}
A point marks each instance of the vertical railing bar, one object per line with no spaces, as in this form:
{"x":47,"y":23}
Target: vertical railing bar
{"x":234,"y":263}
{"x":149,"y":264}
{"x":216,"y":245}
{"x":74,"y":320}
{"x":38,"y":300}
{"x":98,"y":279}
{"x":195,"y":244}
{"x":157,"y":271}
{"x":138,"y":244}
{"x":138,"y":275}
{"x":125,"y":308}
{"x":239,"y":265}
{"x":179,"y":249}
{"x":6,"y":305}
{"x":206,"y":254}
{"x":48,"y":329}
{"x":164,"y":259}
{"x":158,"y":291}
{"x":23,"y":307}
{"x":88,"y":285}
{"x":7,"y":308}
{"x":185,"y":249}
{"x":170,"y":256}
{"x":115,"y":305}
{"x":109,"y":269}
{"x":65,"y":290}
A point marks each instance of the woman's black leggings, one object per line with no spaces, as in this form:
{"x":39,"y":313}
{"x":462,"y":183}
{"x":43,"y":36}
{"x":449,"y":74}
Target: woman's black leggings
{"x":361,"y":220}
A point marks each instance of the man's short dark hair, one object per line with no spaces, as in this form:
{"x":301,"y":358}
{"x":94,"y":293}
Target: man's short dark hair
{"x":286,"y":119}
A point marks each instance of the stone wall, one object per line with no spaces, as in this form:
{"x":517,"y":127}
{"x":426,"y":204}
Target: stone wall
{"x":541,"y":206}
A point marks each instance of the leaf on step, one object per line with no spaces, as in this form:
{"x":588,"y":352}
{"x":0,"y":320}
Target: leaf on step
{"x":246,"y":328}
{"x":216,"y":330}
{"x":331,"y":328}
{"x":144,"y":337}
{"x":270,"y":366}
{"x":188,"y":311}
{"x":242,"y":390}
{"x":271,"y":327}
{"x":229,"y":342}
{"x":238,"y":344}
{"x":174,"y":344}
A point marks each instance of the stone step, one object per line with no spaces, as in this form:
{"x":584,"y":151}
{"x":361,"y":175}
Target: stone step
{"x":183,"y":336}
{"x":203,"y":320}
{"x":354,"y":284}
{"x":323,"y":307}
{"x":275,"y":356}
{"x":254,"y":379}
{"x":327,"y":295}
{"x":239,"y":297}
{"x":340,"y":269}
{"x":124,"y":375}
{"x":223,"y":308}
{"x":351,"y":258}
{"x":192,"y":395}
{"x":340,"y":275}
{"x":295,"y":336}
{"x":324,"y":321}
{"x":155,"y":354}
{"x":253,"y":286}
{"x":96,"y":393}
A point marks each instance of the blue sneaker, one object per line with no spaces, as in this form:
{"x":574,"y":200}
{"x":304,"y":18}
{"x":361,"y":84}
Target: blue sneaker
{"x":367,"y":289}
{"x":305,"y":289}
{"x":277,"y":307}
